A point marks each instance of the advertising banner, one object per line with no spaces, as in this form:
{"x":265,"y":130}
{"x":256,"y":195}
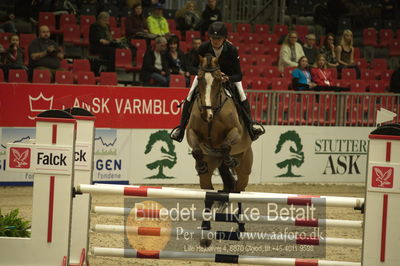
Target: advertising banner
{"x":315,"y":154}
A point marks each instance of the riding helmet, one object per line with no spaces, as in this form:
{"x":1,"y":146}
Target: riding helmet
{"x":218,"y":29}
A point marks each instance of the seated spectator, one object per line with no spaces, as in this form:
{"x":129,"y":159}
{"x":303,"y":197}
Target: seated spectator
{"x":176,"y":59}
{"x":136,"y":26}
{"x":309,"y":48}
{"x":101,"y":41}
{"x":192,"y":57}
{"x":395,"y":81}
{"x":320,"y":73}
{"x":188,"y":18}
{"x":328,"y":50}
{"x":302,"y":76}
{"x":14,"y":56}
{"x":155,"y":65}
{"x":8,"y":24}
{"x":209,"y":15}
{"x":345,"y":53}
{"x":45,"y":53}
{"x":291,"y":52}
{"x":157,"y":23}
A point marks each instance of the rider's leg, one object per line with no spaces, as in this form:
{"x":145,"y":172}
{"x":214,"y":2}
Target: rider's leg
{"x":179,"y":132}
{"x":255,"y":129}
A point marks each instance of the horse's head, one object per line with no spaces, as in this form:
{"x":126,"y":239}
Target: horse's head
{"x":209,"y":87}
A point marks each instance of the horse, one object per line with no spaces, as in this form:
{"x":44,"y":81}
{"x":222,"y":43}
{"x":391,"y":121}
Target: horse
{"x":217,"y":135}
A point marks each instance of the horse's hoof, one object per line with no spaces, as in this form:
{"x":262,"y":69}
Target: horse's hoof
{"x":205,"y":243}
{"x":201,"y":168}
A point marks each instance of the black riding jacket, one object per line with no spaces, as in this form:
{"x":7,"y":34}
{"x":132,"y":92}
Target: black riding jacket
{"x":228,"y":60}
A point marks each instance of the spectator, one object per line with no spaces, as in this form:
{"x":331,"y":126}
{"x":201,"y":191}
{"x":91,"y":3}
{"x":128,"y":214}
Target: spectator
{"x":328,"y":50}
{"x":188,"y":18}
{"x":101,"y":41}
{"x":192,"y":57}
{"x":157,"y":23}
{"x":210,"y":14}
{"x":176,"y":59}
{"x":14,"y":56}
{"x":45,"y":53}
{"x":320,"y":74}
{"x":395,"y":81}
{"x":136,"y":25}
{"x":345,"y":53}
{"x":290,"y":53}
{"x":9,"y":24}
{"x":302,"y":76}
{"x":309,"y":48}
{"x":155,"y":65}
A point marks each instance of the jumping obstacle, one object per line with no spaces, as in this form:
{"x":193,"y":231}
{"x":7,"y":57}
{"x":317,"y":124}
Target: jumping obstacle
{"x":228,"y":235}
{"x":209,"y":257}
{"x":149,"y":192}
{"x":232,"y":218}
{"x":388,"y":195}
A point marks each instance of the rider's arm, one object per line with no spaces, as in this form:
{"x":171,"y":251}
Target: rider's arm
{"x":236,"y":70}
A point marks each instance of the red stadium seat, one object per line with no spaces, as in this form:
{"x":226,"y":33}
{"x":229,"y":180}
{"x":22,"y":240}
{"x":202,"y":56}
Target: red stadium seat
{"x":243,"y":28}
{"x":261,"y":28}
{"x":271,"y":72}
{"x":80,"y":65}
{"x":177,"y":81}
{"x":108,"y":78}
{"x":251,"y":38}
{"x":253,"y":71}
{"x":72,"y":34}
{"x":302,"y":31}
{"x":64,"y":77}
{"x":1,"y":75}
{"x":86,"y":21}
{"x":5,"y":39}
{"x":394,"y":48}
{"x":48,"y":19}
{"x":191,"y":34}
{"x":243,"y":48}
{"x":279,"y":84}
{"x":379,"y":64}
{"x":357,"y":53}
{"x":123,"y":59}
{"x":287,"y":73}
{"x":116,"y":32}
{"x":260,"y":83}
{"x":67,"y":19}
{"x":367,"y":74}
{"x":113,"y":22}
{"x":386,"y":74}
{"x":140,"y":44}
{"x":247,"y":60}
{"x":349,"y":74}
{"x":281,"y":29}
{"x":171,"y":24}
{"x":17,"y":76}
{"x":263,"y":60}
{"x":229,"y":26}
{"x":385,"y":37}
{"x":358,"y":86}
{"x":235,"y":37}
{"x":258,"y":49}
{"x":85,"y":78}
{"x":376,"y":86}
{"x":370,"y":37}
{"x":271,"y":39}
{"x":41,"y":76}
{"x":361,"y":62}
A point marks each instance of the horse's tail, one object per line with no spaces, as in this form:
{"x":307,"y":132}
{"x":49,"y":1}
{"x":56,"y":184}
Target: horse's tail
{"x":227,"y":178}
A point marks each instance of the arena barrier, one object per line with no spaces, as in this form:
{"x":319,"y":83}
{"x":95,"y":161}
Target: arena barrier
{"x":54,"y":186}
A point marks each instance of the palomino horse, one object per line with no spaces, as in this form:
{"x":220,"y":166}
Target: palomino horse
{"x":217,"y":135}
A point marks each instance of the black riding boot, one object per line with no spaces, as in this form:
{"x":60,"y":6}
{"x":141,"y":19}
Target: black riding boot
{"x":249,"y":123}
{"x":178,"y":133}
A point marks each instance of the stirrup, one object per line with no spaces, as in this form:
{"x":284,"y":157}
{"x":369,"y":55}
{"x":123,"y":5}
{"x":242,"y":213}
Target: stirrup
{"x":177,"y":134}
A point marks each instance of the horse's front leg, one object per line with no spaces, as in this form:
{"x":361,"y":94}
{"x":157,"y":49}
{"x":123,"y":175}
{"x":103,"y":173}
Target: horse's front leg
{"x":197,"y":153}
{"x":232,"y":138}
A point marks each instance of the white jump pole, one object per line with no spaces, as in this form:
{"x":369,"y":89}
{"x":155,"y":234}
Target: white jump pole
{"x":209,"y":257}
{"x":223,"y":217}
{"x":295,"y":198}
{"x":51,"y":159}
{"x":227,"y":235}
{"x":382,"y":216}
{"x":84,"y":145}
{"x":149,"y":192}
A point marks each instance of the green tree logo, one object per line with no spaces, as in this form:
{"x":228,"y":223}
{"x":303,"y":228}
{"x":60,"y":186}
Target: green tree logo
{"x":167,"y":156}
{"x":290,"y":144}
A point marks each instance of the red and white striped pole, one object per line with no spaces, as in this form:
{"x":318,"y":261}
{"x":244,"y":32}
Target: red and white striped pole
{"x":210,"y":257}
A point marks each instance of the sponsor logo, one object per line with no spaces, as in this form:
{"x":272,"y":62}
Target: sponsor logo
{"x":40,"y":104}
{"x":51,"y":159}
{"x":291,"y":151}
{"x":166,"y":155}
{"x":382,"y":177}
{"x":20,"y":157}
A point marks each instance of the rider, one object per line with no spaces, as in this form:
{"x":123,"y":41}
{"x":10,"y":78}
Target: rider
{"x":228,"y":60}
